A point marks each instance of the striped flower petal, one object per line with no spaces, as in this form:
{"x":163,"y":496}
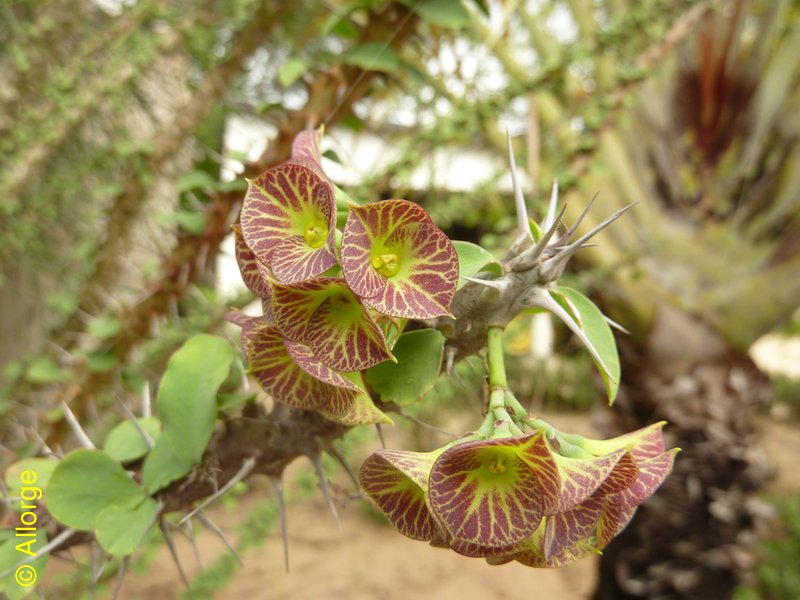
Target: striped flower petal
{"x":397,"y":481}
{"x":291,"y":374}
{"x":325,"y":315}
{"x":289,"y":222}
{"x":254,"y":272}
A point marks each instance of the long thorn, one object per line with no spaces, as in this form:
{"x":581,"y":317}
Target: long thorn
{"x":132,"y":418}
{"x":171,"y":545}
{"x":278,"y":487}
{"x":555,"y":265}
{"x":450,"y":359}
{"x":422,"y":423}
{"x":379,"y":429}
{"x":333,"y":451}
{"x":616,"y":325}
{"x":201,"y":516}
{"x":120,"y":576}
{"x":577,"y":223}
{"x":323,"y":483}
{"x":530,"y":257}
{"x":495,"y":284}
{"x":76,"y":428}
{"x":190,"y":534}
{"x":550,"y":218}
{"x":243,"y":472}
{"x":523,"y":227}
{"x":147,"y":407}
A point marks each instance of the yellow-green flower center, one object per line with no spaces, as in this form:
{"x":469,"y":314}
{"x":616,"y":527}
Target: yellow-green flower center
{"x":316,"y":233}
{"x":496,"y":464}
{"x":387,"y":263}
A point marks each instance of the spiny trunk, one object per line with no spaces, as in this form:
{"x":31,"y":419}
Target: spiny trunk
{"x":691,"y":539}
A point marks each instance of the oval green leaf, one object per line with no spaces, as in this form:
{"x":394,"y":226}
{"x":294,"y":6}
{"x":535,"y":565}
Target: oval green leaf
{"x":473,"y":259}
{"x":187,"y":397}
{"x":162,"y":467}
{"x":419,"y":359}
{"x":84,"y":483}
{"x":372,"y":56}
{"x":125,"y":442}
{"x":120,"y":530}
{"x":597,"y":330}
{"x":445,"y":13}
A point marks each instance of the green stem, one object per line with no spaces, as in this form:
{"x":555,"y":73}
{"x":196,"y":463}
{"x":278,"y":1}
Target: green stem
{"x":498,"y":422}
{"x":497,"y":367}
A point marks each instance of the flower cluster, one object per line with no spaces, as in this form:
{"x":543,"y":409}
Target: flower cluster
{"x":544,"y":499}
{"x":328,"y":297}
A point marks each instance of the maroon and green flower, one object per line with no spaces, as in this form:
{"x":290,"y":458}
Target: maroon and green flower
{"x":397,"y":261}
{"x":519,"y":498}
{"x":289,"y":222}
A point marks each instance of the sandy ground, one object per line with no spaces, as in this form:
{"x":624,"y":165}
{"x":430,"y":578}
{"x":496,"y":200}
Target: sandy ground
{"x":367,"y":560}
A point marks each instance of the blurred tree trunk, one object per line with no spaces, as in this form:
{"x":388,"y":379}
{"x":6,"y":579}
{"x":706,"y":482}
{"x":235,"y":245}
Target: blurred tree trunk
{"x":706,"y":263}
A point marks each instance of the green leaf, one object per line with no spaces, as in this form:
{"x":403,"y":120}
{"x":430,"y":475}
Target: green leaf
{"x":124,"y":443}
{"x":233,"y":399}
{"x":291,"y":71}
{"x":191,"y":222}
{"x":197,"y":180}
{"x":419,"y":359}
{"x":591,"y":321}
{"x":104,"y":327}
{"x":445,"y":13}
{"x":40,"y":471}
{"x":84,"y":483}
{"x":187,"y":396}
{"x":13,"y":552}
{"x":120,"y":529}
{"x":372,"y":56}
{"x":44,"y":370}
{"x":473,"y":259}
{"x":101,"y":361}
{"x":162,"y":466}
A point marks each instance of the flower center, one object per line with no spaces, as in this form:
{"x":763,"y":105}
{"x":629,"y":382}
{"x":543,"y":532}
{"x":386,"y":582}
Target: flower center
{"x":316,"y":233}
{"x":496,"y":464}
{"x":386,"y":263}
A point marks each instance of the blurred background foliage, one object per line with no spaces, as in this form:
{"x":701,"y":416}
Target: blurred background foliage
{"x":127,"y":128}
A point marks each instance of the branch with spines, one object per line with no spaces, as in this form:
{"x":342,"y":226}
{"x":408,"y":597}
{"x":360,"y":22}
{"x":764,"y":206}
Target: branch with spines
{"x":530,"y":268}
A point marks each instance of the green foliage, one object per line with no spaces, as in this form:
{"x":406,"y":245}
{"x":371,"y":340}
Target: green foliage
{"x":84,"y":483}
{"x":473,"y":259}
{"x":777,"y":574}
{"x":592,"y":322}
{"x":419,"y":360}
{"x":372,"y":56}
{"x":162,"y":466}
{"x":188,"y":391}
{"x":291,"y":71}
{"x":10,"y":557}
{"x":121,"y":529}
{"x":126,"y":443}
{"x":445,"y":13}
